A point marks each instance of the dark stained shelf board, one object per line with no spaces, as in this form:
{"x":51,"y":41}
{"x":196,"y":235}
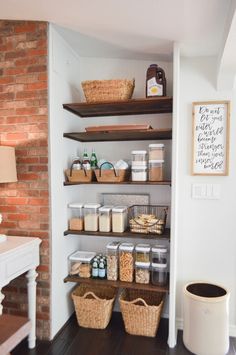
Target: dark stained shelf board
{"x":126,"y":234}
{"x":129,"y":107}
{"x":119,"y":136}
{"x":117,"y":284}
{"x":167,"y":183}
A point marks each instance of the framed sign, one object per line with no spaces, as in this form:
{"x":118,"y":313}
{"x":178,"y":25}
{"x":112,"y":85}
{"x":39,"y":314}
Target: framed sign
{"x":210,"y":137}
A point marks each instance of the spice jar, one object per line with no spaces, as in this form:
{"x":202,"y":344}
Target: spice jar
{"x":156,"y":151}
{"x":142,"y":272}
{"x":119,"y":219}
{"x":142,"y":253}
{"x":155,"y":172}
{"x":159,"y":274}
{"x":126,"y":262}
{"x":139,"y":173}
{"x":159,"y":254}
{"x":139,"y":157}
{"x":105,"y":219}
{"x":112,"y":260}
{"x":91,"y":217}
{"x":76,"y":221}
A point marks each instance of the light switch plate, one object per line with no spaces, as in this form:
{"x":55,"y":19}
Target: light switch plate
{"x":206,"y":191}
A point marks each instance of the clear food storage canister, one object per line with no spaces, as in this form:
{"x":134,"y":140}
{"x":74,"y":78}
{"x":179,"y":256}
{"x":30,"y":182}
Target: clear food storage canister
{"x":76,"y":221}
{"x":126,"y":262}
{"x":139,"y":157}
{"x":119,"y":219}
{"x":155,"y":171}
{"x":159,"y":254}
{"x":112,"y":260}
{"x":91,"y":217}
{"x":105,"y":218}
{"x":156,"y":151}
{"x":139,"y":173}
{"x":159,"y":274}
{"x":142,"y":272}
{"x":80,"y":263}
{"x":142,"y":253}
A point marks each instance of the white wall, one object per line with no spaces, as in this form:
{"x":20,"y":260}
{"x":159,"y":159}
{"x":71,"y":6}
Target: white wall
{"x":67,"y":70}
{"x":206,"y":228}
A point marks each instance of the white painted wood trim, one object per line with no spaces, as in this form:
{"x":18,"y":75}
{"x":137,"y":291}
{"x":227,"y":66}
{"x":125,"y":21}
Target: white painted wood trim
{"x":174,"y":198}
{"x":31,"y":286}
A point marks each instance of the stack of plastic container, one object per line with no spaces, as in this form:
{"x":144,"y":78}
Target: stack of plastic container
{"x":156,"y":161}
{"x":139,"y":165}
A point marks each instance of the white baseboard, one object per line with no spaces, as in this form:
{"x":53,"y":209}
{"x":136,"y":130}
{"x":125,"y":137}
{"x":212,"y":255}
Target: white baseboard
{"x":232,"y":328}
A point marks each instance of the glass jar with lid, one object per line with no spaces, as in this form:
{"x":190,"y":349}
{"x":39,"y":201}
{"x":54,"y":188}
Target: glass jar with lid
{"x":91,"y":217}
{"x":155,"y":171}
{"x":119,"y":219}
{"x":142,"y":253}
{"x":126,"y":262}
{"x":112,"y":260}
{"x":142,"y":272}
{"x":159,"y":254}
{"x":105,"y":218}
{"x":139,"y":157}
{"x":76,"y":221}
{"x":159,"y":274}
{"x":156,"y":151}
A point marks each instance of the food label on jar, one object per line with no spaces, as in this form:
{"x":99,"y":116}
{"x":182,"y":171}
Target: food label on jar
{"x":102,"y":273}
{"x":95,"y":272}
{"x":153,"y":88}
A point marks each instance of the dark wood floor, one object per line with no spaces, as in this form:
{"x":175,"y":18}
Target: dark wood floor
{"x":74,"y":340}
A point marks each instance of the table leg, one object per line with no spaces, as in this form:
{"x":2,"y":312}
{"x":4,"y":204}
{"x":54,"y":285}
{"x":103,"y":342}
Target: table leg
{"x":31,"y":285}
{"x":1,"y":299}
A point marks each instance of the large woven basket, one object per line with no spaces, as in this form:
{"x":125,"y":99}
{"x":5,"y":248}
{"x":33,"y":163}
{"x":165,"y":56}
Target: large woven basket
{"x":93,"y":305}
{"x":141,"y":311}
{"x":108,"y":90}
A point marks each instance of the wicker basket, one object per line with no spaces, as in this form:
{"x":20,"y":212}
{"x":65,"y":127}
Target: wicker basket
{"x":93,"y":305}
{"x":111,"y":175}
{"x":81,"y":175}
{"x":141,"y":311}
{"x":108,"y":90}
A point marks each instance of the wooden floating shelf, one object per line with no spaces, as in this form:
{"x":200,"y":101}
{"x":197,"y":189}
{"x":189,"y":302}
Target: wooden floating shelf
{"x":117,"y":284}
{"x":126,"y":234}
{"x":120,"y":135}
{"x":129,"y":107}
{"x":167,"y":183}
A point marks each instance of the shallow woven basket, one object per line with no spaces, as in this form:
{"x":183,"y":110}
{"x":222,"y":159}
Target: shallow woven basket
{"x":141,"y":311}
{"x":93,"y":305}
{"x":108,"y":90}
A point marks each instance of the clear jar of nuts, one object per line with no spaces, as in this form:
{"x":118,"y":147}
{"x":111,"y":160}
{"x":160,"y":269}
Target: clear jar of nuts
{"x":142,"y":272}
{"x":126,"y":262}
{"x":112,"y":261}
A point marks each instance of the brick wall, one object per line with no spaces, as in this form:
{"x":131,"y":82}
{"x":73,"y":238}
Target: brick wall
{"x":24,"y":125}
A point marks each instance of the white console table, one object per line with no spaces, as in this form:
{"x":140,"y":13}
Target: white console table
{"x":17,"y":256}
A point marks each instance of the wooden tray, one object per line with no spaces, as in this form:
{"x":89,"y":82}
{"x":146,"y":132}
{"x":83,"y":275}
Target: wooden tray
{"x":79,"y":175}
{"x":131,"y":127}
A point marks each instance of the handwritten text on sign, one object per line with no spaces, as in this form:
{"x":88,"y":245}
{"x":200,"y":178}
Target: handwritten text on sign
{"x":210,"y":138}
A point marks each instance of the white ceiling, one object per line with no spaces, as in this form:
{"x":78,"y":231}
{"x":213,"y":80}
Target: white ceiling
{"x":138,"y":26}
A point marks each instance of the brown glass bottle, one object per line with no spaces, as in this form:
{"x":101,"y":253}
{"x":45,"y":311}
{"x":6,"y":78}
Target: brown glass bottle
{"x":155,"y":81}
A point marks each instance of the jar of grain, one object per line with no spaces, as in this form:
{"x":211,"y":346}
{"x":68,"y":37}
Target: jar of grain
{"x":159,"y":274}
{"x":156,"y":151}
{"x":142,"y":272}
{"x":119,"y":219}
{"x":112,"y":260}
{"x":105,"y":218}
{"x":91,"y":217}
{"x":126,"y":262}
{"x":76,"y":221}
{"x":155,"y":172}
{"x":142,"y":253}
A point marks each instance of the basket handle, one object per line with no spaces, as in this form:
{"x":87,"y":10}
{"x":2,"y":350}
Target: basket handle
{"x":75,"y":162}
{"x":91,"y":294}
{"x":139,"y":300}
{"x":107,"y":162}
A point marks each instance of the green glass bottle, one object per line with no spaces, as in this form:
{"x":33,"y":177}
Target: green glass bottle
{"x":93,"y":160}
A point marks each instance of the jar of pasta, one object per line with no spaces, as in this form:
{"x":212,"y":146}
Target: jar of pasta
{"x":112,"y":260}
{"x":126,"y":262}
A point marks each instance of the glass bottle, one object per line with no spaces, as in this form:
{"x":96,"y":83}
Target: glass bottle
{"x":85,"y":161}
{"x":101,"y":270}
{"x":93,"y":160}
{"x":95,"y":269}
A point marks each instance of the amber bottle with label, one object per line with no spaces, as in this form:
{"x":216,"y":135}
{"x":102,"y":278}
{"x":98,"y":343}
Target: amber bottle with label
{"x":155,"y":81}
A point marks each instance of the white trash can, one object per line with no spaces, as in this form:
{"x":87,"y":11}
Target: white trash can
{"x":206,"y":319}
